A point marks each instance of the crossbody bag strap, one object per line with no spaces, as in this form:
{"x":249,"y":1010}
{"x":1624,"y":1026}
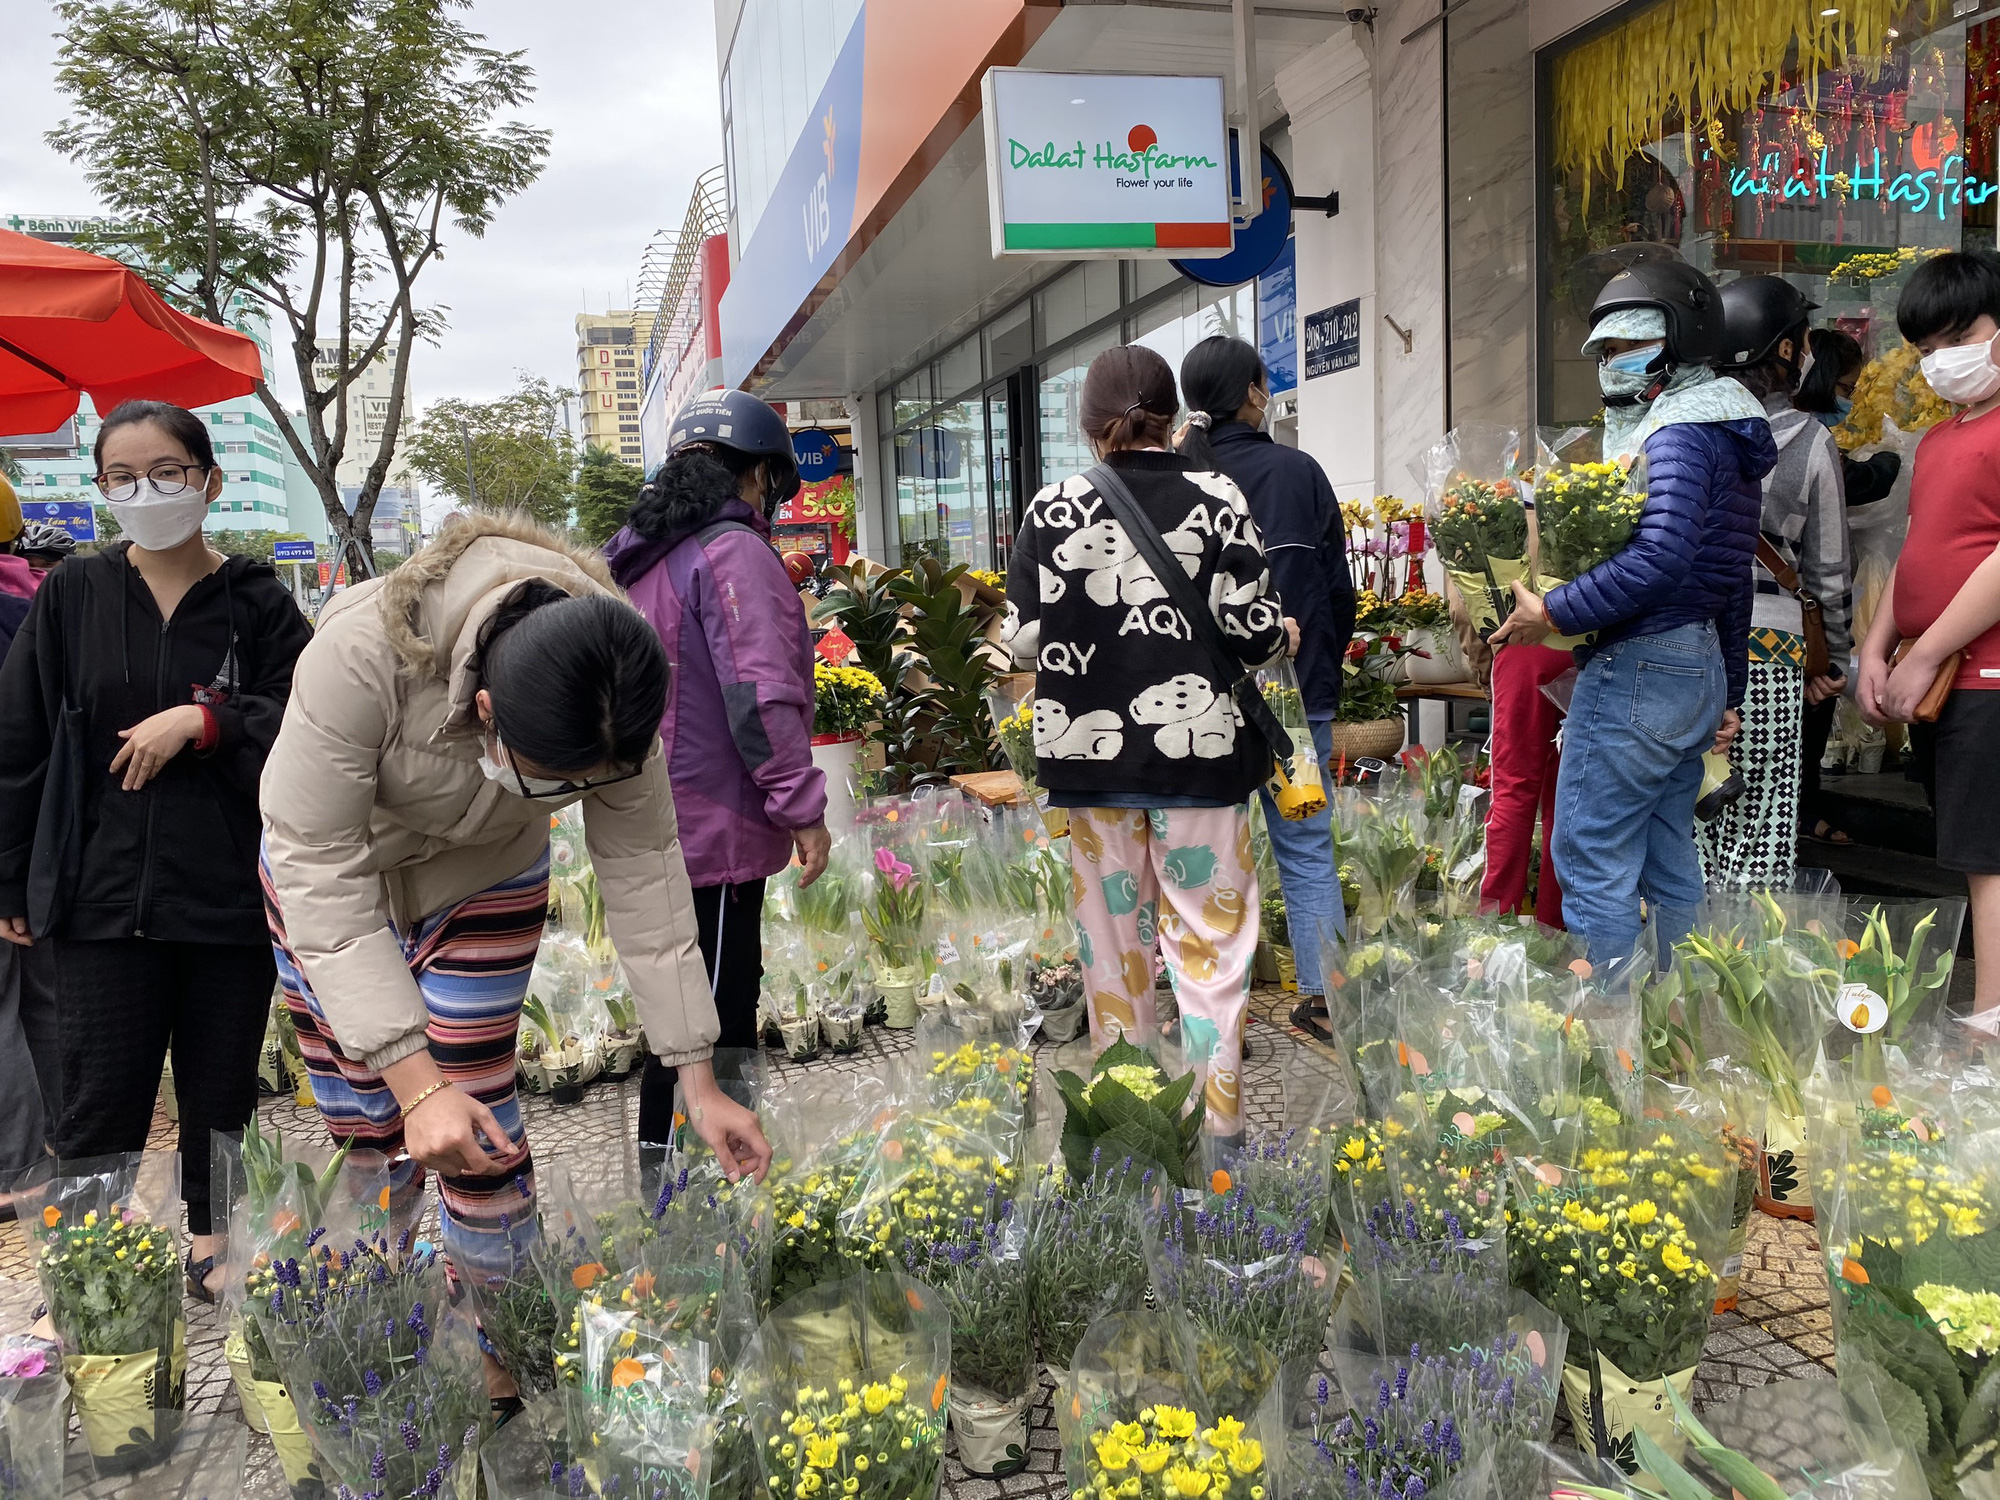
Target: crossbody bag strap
{"x":1241,"y":682}
{"x":1775,"y":564}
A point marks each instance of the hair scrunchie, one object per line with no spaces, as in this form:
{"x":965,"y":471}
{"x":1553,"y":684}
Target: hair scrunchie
{"x":1201,"y":420}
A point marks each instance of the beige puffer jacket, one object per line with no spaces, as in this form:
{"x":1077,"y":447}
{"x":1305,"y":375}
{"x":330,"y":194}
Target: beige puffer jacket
{"x":376,"y":811}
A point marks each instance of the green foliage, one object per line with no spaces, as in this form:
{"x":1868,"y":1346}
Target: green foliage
{"x":521,"y":457}
{"x":309,"y":159}
{"x":1134,"y":1111}
{"x":951,"y":647}
{"x":10,"y":467}
{"x":606,"y":486}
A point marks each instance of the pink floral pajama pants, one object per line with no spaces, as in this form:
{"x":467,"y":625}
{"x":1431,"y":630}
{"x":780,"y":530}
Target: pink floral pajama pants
{"x":1182,"y":876}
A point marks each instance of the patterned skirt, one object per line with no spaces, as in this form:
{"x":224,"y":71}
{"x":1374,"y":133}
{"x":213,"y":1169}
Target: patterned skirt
{"x":1754,"y":842}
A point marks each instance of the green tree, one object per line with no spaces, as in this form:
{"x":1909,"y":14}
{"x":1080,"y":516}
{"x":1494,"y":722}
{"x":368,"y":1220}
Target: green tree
{"x":510,"y":454}
{"x":606,"y":486}
{"x":255,"y":544}
{"x":10,"y":467}
{"x":311,"y":157}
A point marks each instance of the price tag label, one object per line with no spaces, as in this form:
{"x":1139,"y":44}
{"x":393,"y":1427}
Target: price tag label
{"x":1862,"y":1011}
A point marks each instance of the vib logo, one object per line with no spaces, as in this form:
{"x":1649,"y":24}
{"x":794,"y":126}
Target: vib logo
{"x":818,"y":208}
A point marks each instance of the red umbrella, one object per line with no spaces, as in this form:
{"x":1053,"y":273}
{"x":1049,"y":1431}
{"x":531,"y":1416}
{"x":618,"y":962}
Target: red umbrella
{"x":72,"y":322}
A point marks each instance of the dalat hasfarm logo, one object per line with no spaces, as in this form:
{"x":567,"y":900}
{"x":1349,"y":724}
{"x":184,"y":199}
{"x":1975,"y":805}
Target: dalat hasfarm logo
{"x":1137,"y":162}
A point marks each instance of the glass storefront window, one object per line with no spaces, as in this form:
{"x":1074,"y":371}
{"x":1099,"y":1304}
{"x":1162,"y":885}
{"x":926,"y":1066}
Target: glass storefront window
{"x":1064,"y":449}
{"x":1176,"y":325}
{"x":1010,"y":340}
{"x":914,"y":395}
{"x":1837,"y":150}
{"x":1081,"y":297}
{"x":958,"y":368}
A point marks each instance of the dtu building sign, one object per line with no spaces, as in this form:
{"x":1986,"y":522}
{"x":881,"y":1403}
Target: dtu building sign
{"x":1106,"y":164}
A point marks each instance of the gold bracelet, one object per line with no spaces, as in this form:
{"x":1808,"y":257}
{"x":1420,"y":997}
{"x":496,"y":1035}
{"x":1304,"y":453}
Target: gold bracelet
{"x":442,"y":1083}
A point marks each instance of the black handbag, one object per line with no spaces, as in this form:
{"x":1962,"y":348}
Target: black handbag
{"x":1201,"y":621}
{"x":56,"y":862}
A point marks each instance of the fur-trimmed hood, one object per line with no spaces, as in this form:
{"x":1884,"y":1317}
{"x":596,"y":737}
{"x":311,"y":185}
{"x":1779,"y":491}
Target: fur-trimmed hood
{"x":437,"y":600}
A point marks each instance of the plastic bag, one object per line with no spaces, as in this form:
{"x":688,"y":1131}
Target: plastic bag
{"x":823,"y":1134}
{"x":930,"y":1173}
{"x":1897,"y":975}
{"x":106,"y":1248}
{"x":1296,"y":786}
{"x":1085,"y":1249}
{"x":206,"y":1463}
{"x":568,"y":1016}
{"x":1478,"y":520}
{"x":979,"y":1272}
{"x":1585,"y":513}
{"x":867,"y":1360}
{"x":34,"y":1417}
{"x":1133,"y":1393}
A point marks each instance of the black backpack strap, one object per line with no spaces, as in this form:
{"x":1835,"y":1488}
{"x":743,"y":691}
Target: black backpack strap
{"x":1241,"y":681}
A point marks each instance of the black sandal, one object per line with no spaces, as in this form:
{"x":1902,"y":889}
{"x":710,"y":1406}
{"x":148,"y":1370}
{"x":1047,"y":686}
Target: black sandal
{"x":198,"y":1272}
{"x":505,"y":1409}
{"x":1310,"y":1016}
{"x":1824,"y":832}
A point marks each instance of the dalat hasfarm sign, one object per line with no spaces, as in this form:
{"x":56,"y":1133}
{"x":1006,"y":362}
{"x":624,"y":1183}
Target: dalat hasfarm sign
{"x":1106,"y":164}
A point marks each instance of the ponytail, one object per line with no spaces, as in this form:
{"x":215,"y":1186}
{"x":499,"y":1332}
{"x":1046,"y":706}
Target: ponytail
{"x":1216,"y":378}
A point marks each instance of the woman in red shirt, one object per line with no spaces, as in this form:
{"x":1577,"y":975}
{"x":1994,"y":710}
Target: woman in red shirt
{"x":1946,"y":584}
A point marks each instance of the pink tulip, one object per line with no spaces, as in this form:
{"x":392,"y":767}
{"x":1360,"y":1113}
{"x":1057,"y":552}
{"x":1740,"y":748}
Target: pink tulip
{"x":899,"y":873}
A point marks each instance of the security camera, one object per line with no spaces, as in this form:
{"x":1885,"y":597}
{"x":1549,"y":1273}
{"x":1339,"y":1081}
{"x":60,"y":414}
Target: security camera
{"x":1362,"y":15}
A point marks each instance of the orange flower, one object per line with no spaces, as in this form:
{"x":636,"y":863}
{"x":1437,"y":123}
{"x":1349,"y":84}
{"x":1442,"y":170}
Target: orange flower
{"x":626,"y":1372}
{"x":584,"y":1277}
{"x":52,"y":1216}
{"x":642,"y":1284}
{"x":1852,"y":1270}
{"x":679,"y":1119}
{"x":1218,"y":1181}
{"x":916,"y":1301}
{"x":1881,"y":1098}
{"x":1847,"y":947}
{"x":1004,"y":1064}
{"x":937,"y":1393}
{"x":284,"y":1221}
{"x":892,"y":1150}
{"x":382,"y":1200}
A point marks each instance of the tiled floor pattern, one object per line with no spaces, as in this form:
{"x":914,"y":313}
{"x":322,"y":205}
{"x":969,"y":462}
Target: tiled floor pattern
{"x":1781,"y":1329}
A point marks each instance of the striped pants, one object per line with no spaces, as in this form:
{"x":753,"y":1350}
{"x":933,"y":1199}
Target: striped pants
{"x":471,"y":962}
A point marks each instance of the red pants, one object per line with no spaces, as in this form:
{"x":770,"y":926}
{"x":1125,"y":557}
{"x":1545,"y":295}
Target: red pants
{"x":1524,"y":778}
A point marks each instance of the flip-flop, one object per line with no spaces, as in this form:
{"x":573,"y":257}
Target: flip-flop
{"x":1825,"y":833}
{"x":197,"y":1278}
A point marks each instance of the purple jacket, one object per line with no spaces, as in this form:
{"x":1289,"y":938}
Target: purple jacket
{"x":738,"y":726}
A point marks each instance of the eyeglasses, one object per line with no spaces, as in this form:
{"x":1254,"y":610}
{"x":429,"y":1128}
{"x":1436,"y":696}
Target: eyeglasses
{"x":167,"y":479}
{"x":540,"y":787}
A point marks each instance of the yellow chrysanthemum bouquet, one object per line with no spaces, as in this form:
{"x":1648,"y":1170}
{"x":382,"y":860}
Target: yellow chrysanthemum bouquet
{"x":845,"y":699}
{"x":847,"y":1387}
{"x":1585,"y":513}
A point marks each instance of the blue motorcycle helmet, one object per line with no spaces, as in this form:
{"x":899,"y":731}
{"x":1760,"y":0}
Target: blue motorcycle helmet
{"x":740,"y":430}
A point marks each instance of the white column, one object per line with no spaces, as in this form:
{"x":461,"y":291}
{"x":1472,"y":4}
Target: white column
{"x":1327,"y":94}
{"x":873,"y":491}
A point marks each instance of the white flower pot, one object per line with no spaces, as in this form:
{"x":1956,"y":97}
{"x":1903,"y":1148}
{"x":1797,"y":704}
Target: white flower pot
{"x":992,"y":1433}
{"x":1443,"y":663}
{"x":838,"y":756}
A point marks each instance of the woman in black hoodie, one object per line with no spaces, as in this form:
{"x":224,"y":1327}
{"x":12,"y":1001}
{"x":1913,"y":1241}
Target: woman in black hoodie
{"x":136,"y":708}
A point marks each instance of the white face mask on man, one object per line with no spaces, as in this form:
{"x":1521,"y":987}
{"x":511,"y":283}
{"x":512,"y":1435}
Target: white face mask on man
{"x":160,"y":521}
{"x":1963,"y":374}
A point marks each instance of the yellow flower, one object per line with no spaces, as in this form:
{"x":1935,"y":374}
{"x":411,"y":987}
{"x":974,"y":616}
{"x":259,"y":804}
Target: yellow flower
{"x":822,"y":1452}
{"x":1173,"y":1422}
{"x":1225,"y":1433}
{"x":1113,"y":1455}
{"x":875,"y":1397}
{"x":1247,"y":1457}
{"x":1189,"y":1484}
{"x":1643,"y":1212}
{"x":1152,"y":1457}
{"x":1675,"y":1259}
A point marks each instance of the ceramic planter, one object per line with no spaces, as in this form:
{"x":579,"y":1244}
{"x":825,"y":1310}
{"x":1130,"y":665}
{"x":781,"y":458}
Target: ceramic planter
{"x":837,"y":755}
{"x":899,"y":995}
{"x":801,"y":1035}
{"x":992,"y":1434}
{"x":842,"y":1029}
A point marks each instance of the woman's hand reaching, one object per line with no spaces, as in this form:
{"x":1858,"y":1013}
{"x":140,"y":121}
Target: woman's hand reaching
{"x":731,"y":1131}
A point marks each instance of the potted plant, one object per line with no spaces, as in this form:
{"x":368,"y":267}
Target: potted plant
{"x":893,"y":914}
{"x":562,"y":1054}
{"x":1433,"y":656}
{"x":1368,"y":721}
{"x":845,"y":701}
{"x":625,"y":1043}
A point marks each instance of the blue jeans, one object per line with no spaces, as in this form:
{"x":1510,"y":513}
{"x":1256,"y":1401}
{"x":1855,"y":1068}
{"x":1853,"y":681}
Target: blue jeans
{"x":1304,"y":851}
{"x":1645,"y":709}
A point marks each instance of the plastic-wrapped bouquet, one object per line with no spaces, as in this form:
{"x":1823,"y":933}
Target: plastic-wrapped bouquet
{"x":1130,"y":1106}
{"x":106,"y":1253}
{"x":1478,"y":517}
{"x":823,"y":1136}
{"x":892,"y":912}
{"x":388,"y":1379}
{"x":928,"y":1169}
{"x":846,"y":1388}
{"x":1584,"y":514}
{"x":34,"y":1415}
{"x":979,"y":1271}
{"x":1085,"y":1249}
{"x":1296,"y":786}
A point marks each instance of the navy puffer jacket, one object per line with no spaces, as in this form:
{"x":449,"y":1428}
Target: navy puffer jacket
{"x":1689,"y":560}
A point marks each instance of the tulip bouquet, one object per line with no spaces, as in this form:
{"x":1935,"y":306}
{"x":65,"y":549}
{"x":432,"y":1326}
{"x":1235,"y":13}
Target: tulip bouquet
{"x":892,"y":913}
{"x":1085,"y":1256}
{"x":1899,"y":959}
{"x":34,"y":1412}
{"x":846,"y":1388}
{"x":105,"y":1252}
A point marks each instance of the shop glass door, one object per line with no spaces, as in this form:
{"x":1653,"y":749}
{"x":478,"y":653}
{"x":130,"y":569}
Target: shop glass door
{"x":1003,"y":464}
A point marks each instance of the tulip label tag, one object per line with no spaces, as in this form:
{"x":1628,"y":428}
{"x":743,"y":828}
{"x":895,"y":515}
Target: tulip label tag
{"x":1862,"y":1011}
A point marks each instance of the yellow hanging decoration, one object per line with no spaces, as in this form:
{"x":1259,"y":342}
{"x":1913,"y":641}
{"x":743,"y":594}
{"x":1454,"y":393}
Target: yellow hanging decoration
{"x":1700,"y":59}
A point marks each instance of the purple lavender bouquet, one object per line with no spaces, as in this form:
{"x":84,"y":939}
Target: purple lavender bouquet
{"x":387,"y":1380}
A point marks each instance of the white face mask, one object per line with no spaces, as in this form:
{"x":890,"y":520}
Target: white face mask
{"x":1964,"y":374}
{"x":503,"y":774}
{"x":160,"y":522}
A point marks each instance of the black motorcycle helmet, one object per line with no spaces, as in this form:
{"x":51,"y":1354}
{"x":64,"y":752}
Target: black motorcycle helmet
{"x":1689,"y":299}
{"x":739,"y":422}
{"x":1758,"y":314}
